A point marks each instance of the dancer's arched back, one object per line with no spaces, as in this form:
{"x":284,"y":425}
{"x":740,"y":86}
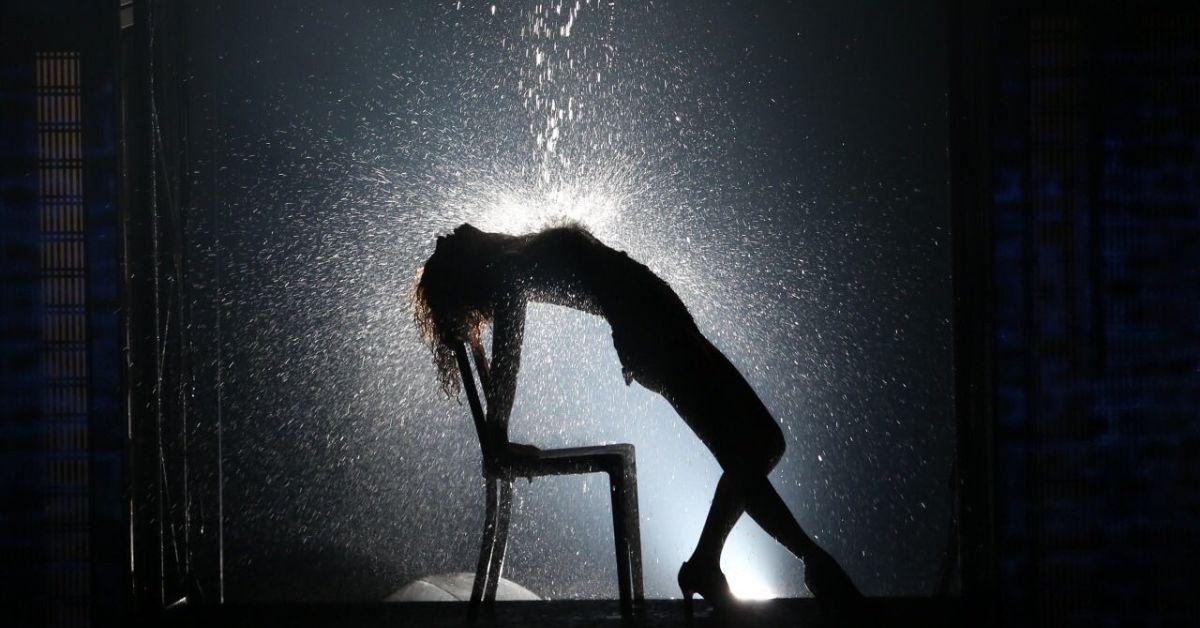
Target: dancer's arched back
{"x":475,"y":278}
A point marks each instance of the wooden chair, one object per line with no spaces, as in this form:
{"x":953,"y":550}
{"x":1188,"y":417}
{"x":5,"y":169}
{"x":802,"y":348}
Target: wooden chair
{"x":618,"y":461}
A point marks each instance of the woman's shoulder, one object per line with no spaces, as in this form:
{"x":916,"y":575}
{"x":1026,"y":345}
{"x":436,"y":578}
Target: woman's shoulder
{"x":572,"y":232}
{"x":571,"y":240}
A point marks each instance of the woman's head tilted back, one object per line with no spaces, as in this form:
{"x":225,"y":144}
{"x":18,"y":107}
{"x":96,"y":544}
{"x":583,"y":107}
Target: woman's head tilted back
{"x":452,"y":296}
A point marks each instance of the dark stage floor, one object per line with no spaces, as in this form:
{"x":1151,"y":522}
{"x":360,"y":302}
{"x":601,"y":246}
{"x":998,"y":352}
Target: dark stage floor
{"x":784,"y":612}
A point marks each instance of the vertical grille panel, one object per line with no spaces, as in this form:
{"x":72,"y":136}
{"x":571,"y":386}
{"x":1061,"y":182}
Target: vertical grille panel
{"x":63,"y":360}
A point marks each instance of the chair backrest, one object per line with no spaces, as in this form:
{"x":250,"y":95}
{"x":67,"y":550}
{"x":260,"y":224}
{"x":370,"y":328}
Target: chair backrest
{"x":473,"y":399}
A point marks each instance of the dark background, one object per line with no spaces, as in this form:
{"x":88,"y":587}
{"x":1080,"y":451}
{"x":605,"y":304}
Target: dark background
{"x":1073,"y":158}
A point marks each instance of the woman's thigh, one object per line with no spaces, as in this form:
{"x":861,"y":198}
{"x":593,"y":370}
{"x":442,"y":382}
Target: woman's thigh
{"x":721,"y":407}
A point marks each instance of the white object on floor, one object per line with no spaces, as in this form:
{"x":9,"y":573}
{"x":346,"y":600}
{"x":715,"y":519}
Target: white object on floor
{"x":455,"y":587}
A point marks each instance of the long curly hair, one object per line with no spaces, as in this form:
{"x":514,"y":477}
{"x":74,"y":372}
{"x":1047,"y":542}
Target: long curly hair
{"x":451,"y":302}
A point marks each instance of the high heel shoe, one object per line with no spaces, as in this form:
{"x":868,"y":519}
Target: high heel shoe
{"x":710,"y":584}
{"x":827,"y":581}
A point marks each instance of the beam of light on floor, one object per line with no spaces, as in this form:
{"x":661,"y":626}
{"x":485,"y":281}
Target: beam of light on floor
{"x":746,"y":579}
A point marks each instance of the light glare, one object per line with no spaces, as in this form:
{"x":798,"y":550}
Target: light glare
{"x":745,"y":581}
{"x":526,"y":213}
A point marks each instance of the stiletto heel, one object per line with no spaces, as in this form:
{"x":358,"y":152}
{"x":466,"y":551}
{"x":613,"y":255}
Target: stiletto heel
{"x":687,"y":592}
{"x":827,"y":581}
{"x":711,"y":585}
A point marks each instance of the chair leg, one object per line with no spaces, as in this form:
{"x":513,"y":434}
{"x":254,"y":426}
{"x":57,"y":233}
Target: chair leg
{"x":501,"y":544}
{"x":485,"y":548}
{"x":635,"y":533}
{"x":621,"y":536}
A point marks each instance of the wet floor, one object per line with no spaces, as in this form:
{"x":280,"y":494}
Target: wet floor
{"x":779,"y":612}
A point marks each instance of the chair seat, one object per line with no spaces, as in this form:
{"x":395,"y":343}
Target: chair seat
{"x":619,"y":449}
{"x":613,"y":459}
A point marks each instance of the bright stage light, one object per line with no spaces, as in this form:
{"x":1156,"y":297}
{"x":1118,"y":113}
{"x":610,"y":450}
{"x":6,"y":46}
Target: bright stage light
{"x":745,"y":580}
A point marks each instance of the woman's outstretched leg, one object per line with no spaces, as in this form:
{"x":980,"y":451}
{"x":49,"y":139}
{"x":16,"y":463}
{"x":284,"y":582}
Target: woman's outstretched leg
{"x":726,"y":509}
{"x":706,"y":391}
{"x":702,"y":572}
{"x":823,"y":576}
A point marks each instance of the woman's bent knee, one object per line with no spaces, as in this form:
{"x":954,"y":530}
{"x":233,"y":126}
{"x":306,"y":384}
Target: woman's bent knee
{"x":757,"y":451}
{"x":758,"y":462}
{"x":774,"y":446}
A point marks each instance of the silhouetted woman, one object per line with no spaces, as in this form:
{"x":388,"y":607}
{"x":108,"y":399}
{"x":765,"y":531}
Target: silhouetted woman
{"x":475,"y":278}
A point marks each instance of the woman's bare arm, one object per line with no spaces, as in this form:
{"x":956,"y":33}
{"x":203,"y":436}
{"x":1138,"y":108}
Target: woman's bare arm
{"x":508,"y":333}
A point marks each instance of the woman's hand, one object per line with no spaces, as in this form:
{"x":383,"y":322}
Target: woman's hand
{"x":518,"y":450}
{"x":509,"y":454}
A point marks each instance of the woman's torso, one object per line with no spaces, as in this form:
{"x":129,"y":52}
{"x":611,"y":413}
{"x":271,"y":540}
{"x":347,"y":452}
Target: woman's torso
{"x":654,"y":334}
{"x":568,"y":266}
